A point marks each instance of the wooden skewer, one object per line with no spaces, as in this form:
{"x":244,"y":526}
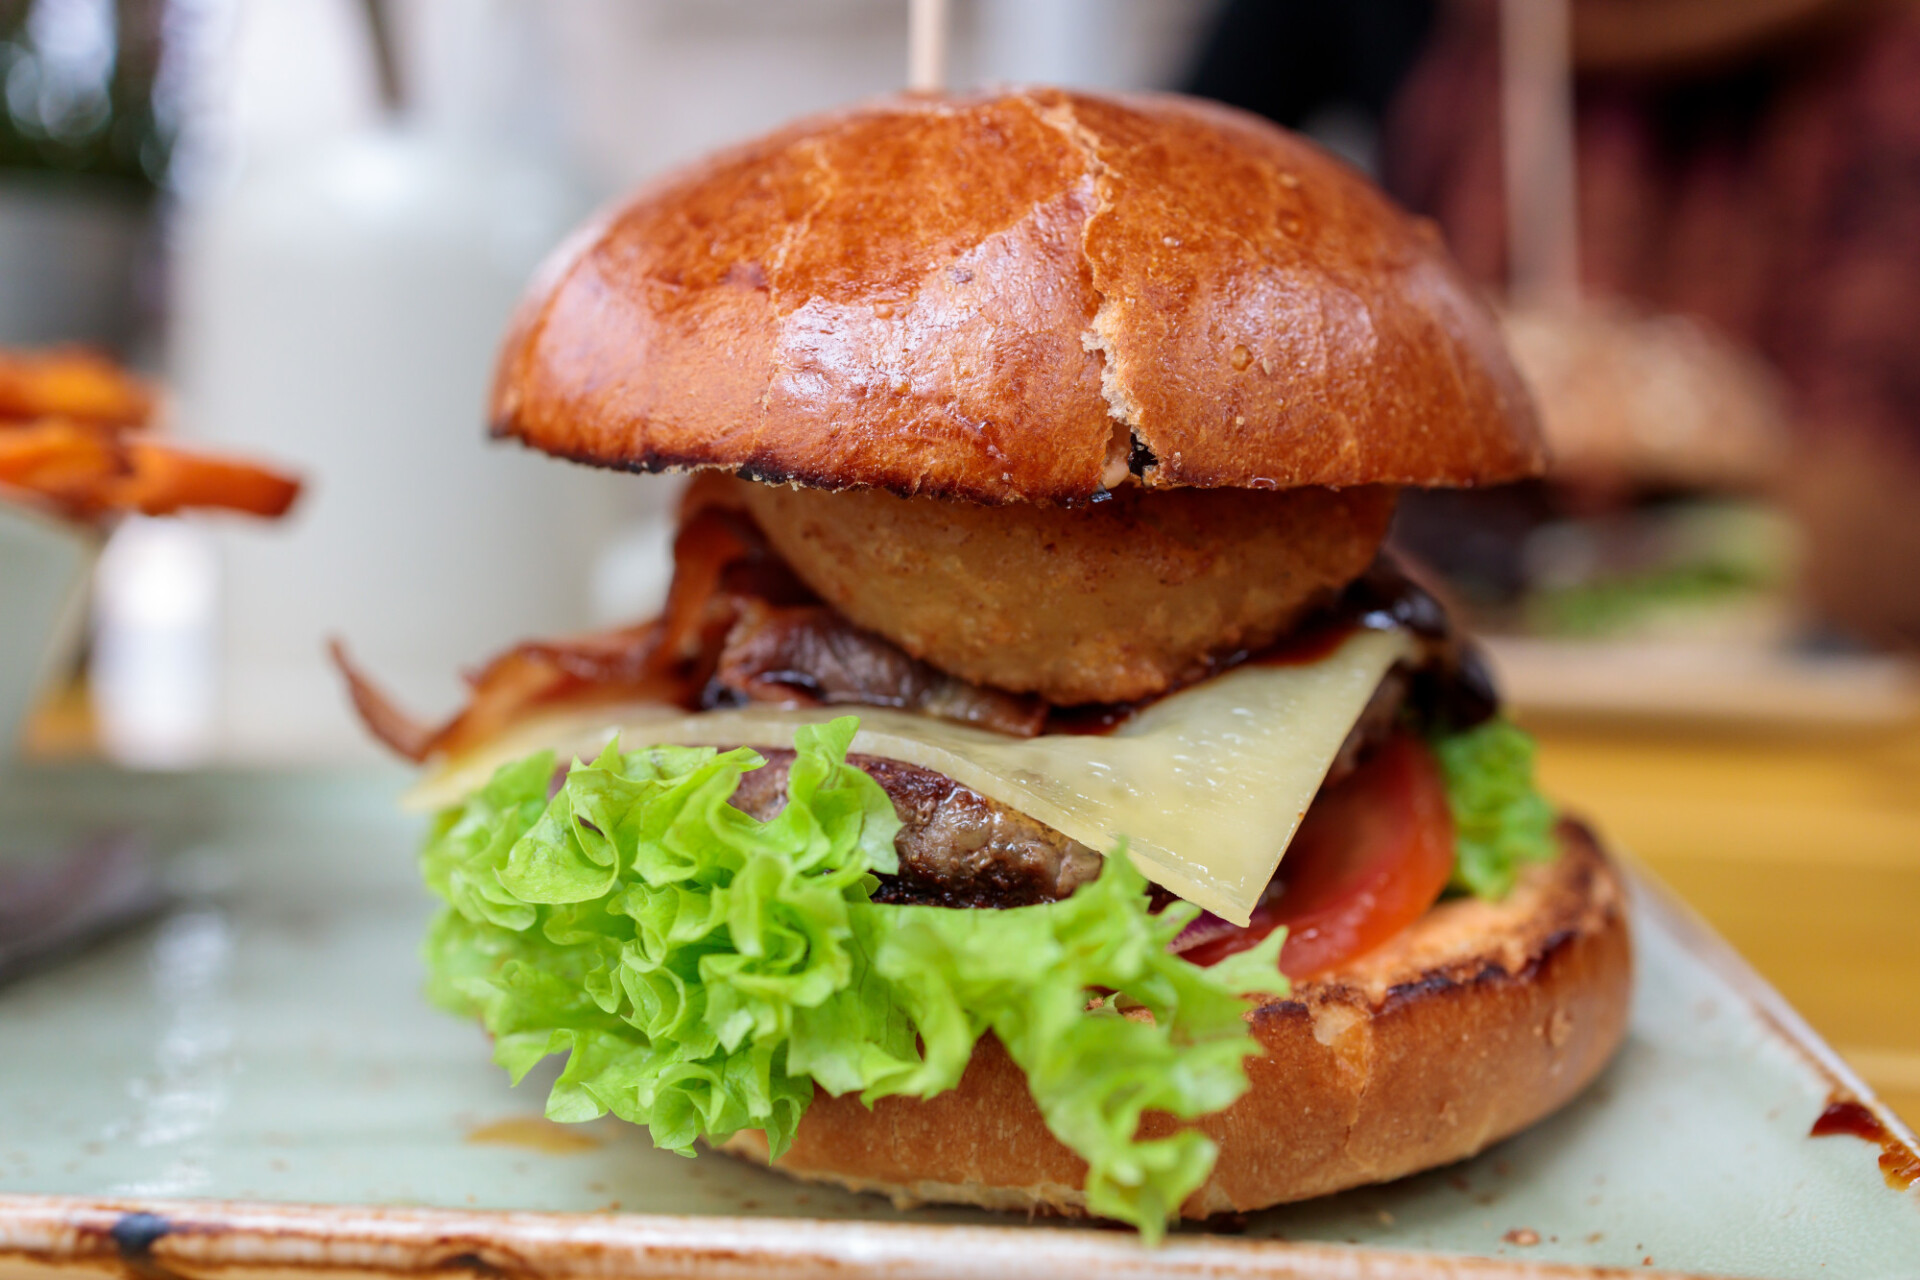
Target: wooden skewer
{"x":386,"y":58}
{"x":927,"y":46}
{"x":1536,"y":108}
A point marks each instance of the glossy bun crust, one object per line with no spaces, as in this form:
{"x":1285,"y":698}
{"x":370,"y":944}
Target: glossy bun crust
{"x":1479,"y":1020}
{"x":1027,"y":296}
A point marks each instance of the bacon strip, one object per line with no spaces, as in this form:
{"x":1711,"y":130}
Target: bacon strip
{"x":738,"y":628}
{"x":383,"y":718}
{"x":606,"y":667}
{"x":668,"y":660}
{"x":706,"y":546}
{"x":610,"y":666}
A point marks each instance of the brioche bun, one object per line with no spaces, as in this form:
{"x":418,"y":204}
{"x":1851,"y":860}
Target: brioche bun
{"x":1467,"y":1027}
{"x":1020,"y":296}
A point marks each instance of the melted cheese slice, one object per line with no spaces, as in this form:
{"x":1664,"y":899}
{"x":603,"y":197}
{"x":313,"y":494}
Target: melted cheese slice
{"x":1207,"y":785}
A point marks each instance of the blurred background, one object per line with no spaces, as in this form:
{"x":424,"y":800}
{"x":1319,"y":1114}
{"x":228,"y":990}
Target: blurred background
{"x":309,"y":219}
{"x":312,"y":218}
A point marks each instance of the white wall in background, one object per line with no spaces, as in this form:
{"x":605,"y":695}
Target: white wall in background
{"x":340,"y":297}
{"x":1093,"y":44}
{"x":653,"y":82}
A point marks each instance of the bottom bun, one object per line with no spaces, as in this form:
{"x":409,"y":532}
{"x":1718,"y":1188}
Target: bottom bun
{"x":1469,"y":1026}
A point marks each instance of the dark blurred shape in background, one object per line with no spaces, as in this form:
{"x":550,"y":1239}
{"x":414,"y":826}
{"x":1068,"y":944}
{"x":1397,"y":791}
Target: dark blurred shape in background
{"x":79,"y":88}
{"x":1327,"y":69}
{"x":85,"y":136}
{"x":1753,"y":164}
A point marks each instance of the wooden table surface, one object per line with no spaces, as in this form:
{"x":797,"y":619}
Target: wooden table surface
{"x":1803,"y":851}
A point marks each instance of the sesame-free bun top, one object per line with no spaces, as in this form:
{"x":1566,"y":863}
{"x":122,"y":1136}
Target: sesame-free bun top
{"x":1020,"y":296}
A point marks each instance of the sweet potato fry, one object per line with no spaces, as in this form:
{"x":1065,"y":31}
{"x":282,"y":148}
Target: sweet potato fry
{"x":70,"y":382}
{"x":90,"y":470}
{"x":164,"y":479}
{"x":64,"y":462}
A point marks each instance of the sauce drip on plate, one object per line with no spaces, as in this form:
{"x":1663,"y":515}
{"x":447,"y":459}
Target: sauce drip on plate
{"x":1898,"y":1163}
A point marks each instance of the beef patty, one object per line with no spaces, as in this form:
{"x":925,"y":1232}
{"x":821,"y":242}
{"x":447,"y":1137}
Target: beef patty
{"x":957,"y":848}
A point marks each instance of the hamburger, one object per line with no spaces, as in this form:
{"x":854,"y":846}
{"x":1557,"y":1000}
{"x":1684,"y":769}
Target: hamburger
{"x":1038,"y":791}
{"x":1658,"y":522}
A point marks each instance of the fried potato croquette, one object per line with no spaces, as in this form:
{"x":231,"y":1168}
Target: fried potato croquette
{"x":1106,"y":602}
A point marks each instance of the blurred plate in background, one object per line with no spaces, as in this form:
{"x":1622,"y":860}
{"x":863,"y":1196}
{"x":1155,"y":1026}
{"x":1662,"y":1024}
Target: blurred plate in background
{"x":1713,"y":684}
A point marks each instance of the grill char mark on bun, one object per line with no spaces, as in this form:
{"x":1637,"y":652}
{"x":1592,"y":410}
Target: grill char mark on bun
{"x":965,"y":297}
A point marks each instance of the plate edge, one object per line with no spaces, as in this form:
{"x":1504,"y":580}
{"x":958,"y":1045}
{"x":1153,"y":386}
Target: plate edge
{"x":53,"y":1236}
{"x":1698,"y":938}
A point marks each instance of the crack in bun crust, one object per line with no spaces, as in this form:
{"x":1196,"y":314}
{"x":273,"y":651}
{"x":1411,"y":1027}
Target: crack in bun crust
{"x":1021,"y":296}
{"x":1480,"y":1019}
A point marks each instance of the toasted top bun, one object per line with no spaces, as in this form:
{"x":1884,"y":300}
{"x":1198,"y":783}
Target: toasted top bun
{"x":1024,"y":296}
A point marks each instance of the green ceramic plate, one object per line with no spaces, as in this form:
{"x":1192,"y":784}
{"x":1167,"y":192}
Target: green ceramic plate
{"x":265,"y":1046}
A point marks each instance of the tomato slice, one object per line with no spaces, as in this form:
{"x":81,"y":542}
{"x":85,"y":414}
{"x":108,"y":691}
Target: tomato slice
{"x":1371,"y":857}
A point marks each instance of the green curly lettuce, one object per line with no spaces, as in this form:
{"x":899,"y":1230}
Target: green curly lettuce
{"x":1028,"y":974}
{"x":705,"y":971}
{"x":1617,"y":606}
{"x":1501,"y":821}
{"x":1710,"y":554}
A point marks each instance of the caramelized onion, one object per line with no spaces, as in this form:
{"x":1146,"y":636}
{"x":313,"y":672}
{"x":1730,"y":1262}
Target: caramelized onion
{"x":809,"y":655}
